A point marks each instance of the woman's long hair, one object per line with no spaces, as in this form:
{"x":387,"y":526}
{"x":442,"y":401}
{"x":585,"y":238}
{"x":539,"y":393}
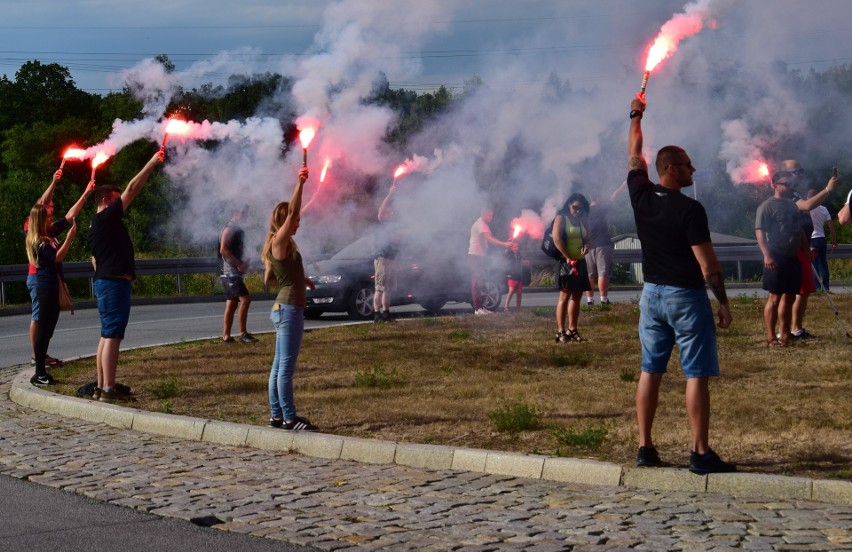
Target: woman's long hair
{"x":576,"y":197}
{"x":37,"y":231}
{"x":279,"y":215}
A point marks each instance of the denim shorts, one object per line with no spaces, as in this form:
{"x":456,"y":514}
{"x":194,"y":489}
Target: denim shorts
{"x":113,"y":295}
{"x":671,"y":315}
{"x":31,"y":287}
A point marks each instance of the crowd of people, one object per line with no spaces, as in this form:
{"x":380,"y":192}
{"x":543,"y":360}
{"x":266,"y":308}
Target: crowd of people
{"x":678,"y":263}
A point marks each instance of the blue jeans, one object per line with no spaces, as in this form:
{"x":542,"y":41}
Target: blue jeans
{"x":289,"y":324}
{"x":820,"y":263}
{"x":671,"y":315}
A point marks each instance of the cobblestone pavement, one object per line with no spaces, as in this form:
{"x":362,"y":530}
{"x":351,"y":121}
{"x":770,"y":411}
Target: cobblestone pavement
{"x":336,"y":505}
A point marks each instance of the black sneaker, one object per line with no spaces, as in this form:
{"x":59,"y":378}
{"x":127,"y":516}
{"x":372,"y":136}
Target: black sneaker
{"x":803,"y":334}
{"x":247,"y":338}
{"x":709,"y":463}
{"x":647,"y":457}
{"x":46,"y":379}
{"x":274,"y":422}
{"x":298,"y":424}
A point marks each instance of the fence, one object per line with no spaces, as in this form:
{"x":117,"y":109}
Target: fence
{"x":207,"y":265}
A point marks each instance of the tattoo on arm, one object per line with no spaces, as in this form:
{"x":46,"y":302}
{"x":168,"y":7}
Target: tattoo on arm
{"x":637,"y":163}
{"x":716,"y":282}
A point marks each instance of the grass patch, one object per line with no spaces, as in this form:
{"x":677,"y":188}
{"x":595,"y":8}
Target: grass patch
{"x":589,"y":437}
{"x":515,"y":417}
{"x":773,"y":411}
{"x":378,"y":377}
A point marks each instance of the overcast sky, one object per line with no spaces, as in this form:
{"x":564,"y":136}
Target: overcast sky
{"x":585,"y":40}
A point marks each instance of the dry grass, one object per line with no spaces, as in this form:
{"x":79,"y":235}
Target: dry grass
{"x":445,"y":380}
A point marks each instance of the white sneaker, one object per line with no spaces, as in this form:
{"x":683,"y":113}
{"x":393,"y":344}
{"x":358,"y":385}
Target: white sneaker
{"x":482,"y":311}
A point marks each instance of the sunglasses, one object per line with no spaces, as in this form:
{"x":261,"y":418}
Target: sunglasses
{"x":576,"y":207}
{"x":796,"y":172}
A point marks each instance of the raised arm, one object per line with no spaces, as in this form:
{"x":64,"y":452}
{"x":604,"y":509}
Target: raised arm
{"x":818,"y":198}
{"x":384,"y":208}
{"x":281,"y":239}
{"x":47,"y":196}
{"x":634,"y":135}
{"x":712,"y":271}
{"x":75,"y":209}
{"x":138,"y":182}
{"x":66,"y":245}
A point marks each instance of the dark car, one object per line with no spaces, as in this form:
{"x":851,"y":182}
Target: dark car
{"x":430,"y":275}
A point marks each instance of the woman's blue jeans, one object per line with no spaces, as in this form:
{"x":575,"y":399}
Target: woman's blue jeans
{"x":289,"y":324}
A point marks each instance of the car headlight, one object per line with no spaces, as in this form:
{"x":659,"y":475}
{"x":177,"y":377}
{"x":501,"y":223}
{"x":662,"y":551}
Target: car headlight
{"x":327,"y":279}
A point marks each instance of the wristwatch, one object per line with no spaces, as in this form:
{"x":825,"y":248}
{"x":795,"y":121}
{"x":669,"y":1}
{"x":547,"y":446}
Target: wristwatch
{"x":635,"y":113}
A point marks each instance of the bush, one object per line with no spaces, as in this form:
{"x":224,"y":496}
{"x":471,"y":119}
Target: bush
{"x":516,"y":417}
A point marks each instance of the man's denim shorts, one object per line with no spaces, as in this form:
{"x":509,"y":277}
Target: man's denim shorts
{"x":113,"y":296}
{"x":671,"y":315}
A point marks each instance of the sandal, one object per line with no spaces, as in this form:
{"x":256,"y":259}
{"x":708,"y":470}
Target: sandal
{"x":574,"y":335}
{"x":775,"y":343}
{"x":562,"y":337}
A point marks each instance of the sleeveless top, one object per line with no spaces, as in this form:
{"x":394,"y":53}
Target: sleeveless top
{"x":574,"y":239}
{"x":290,"y":275}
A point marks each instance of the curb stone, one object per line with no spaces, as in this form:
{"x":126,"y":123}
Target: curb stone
{"x":333,"y":447}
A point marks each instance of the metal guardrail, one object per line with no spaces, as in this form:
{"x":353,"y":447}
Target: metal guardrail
{"x":207,"y":265}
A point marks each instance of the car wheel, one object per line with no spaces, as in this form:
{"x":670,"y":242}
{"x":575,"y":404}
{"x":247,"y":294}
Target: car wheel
{"x":359,"y":304}
{"x":433,"y":305}
{"x":490,"y":296}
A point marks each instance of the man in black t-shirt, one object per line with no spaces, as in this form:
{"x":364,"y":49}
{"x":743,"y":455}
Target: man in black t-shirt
{"x":115,"y":268}
{"x":677,"y":261}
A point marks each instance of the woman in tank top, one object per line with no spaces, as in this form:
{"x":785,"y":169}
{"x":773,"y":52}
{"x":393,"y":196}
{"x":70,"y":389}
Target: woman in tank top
{"x":284,"y":266}
{"x":572,"y":277}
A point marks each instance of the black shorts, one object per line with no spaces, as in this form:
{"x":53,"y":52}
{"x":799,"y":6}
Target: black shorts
{"x":786,"y":278}
{"x":234,"y":287}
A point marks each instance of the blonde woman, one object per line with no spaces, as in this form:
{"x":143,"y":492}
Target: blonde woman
{"x":45,"y":253}
{"x":284,"y":266}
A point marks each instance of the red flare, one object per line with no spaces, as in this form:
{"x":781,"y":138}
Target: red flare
{"x":325,"y":168}
{"x":72,"y":153}
{"x":517,"y":230}
{"x":176,"y":127}
{"x":97,"y":161}
{"x":400,"y":170}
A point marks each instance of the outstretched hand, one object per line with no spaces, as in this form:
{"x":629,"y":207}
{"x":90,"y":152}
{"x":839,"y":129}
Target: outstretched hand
{"x":303,"y":175}
{"x":638,"y":102}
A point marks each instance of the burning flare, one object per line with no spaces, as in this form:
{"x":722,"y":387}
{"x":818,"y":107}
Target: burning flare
{"x":305,"y":136}
{"x":400,"y":170}
{"x":72,"y":153}
{"x":176,"y":127}
{"x":97,"y":161}
{"x":325,"y":168}
{"x":680,"y":26}
{"x":517,"y":230}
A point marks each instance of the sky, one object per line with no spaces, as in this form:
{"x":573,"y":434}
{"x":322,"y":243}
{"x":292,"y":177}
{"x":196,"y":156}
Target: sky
{"x":551,"y":119}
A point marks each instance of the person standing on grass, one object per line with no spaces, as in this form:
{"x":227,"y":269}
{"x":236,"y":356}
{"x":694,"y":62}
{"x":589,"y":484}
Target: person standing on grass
{"x":284,"y":266}
{"x":115,"y":268}
{"x":571,"y":238}
{"x":384,"y":264}
{"x":234,"y":266}
{"x":677,"y":261}
{"x":480,"y":237}
{"x":55,"y":228}
{"x":784,"y":244}
{"x":819,"y":242}
{"x":792,"y":172}
{"x":599,"y":255}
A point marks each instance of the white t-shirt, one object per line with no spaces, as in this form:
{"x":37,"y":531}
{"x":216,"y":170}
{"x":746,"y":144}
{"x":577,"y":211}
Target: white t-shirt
{"x":479,"y":233}
{"x":819,"y":216}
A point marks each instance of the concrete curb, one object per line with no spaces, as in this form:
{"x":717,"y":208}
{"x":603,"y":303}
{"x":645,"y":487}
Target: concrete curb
{"x":438,"y":457}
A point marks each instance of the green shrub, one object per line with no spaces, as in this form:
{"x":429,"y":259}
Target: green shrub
{"x":516,"y":417}
{"x":588,"y":437}
{"x":376,"y":376}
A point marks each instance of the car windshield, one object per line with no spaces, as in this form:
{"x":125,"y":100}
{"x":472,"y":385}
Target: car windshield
{"x":359,"y":249}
